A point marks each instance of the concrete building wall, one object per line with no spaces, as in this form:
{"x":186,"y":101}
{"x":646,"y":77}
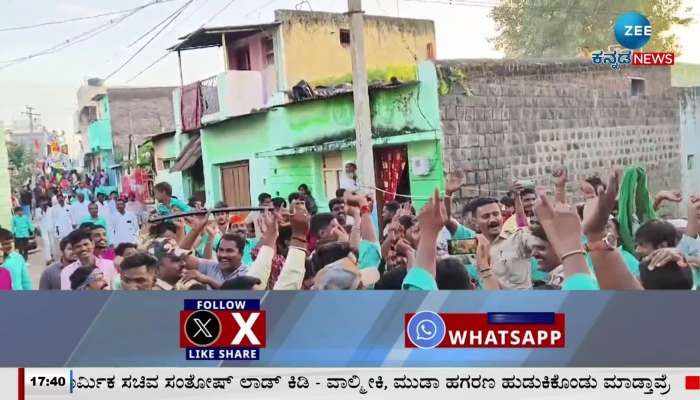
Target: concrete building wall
{"x":139,"y":112}
{"x":505,"y":120}
{"x":400,"y":116}
{"x":690,"y":141}
{"x":166,"y":148}
{"x":685,"y":75}
{"x":256,"y":55}
{"x":5,"y":195}
{"x":84,"y":97}
{"x":313,"y":51}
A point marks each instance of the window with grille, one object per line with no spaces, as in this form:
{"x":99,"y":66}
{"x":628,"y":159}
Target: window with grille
{"x":165,"y":163}
{"x":269,"y":51}
{"x":345,"y":37}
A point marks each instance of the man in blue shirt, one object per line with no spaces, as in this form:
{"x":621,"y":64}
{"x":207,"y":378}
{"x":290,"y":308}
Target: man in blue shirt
{"x":164,"y":195}
{"x":23,"y":229}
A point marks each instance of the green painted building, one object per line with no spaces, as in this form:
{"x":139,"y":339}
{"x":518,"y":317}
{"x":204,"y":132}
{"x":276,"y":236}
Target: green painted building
{"x":99,"y":154}
{"x":276,"y":149}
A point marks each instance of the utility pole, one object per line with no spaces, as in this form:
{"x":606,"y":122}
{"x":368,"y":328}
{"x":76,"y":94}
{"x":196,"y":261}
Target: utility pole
{"x":360,"y":95}
{"x":31,"y":114}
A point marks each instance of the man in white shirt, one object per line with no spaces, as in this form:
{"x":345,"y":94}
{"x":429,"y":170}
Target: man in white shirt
{"x":136,"y":207}
{"x":62,"y":220}
{"x":348,"y":180}
{"x":46,"y":229}
{"x":125,"y":225}
{"x":112,"y":203}
{"x":79,"y":210}
{"x":103,"y":207}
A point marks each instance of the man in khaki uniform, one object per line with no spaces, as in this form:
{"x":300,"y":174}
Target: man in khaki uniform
{"x":510,"y":253}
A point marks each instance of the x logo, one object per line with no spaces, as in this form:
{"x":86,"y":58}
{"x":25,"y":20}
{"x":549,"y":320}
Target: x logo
{"x":245,"y":328}
{"x":202,"y":328}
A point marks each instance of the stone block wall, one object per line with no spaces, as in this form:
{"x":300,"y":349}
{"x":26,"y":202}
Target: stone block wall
{"x":505,"y":120}
{"x":139,"y":113}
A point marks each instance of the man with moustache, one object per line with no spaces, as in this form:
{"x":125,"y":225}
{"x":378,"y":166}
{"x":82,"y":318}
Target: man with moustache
{"x":228,"y":265}
{"x":510,"y":254}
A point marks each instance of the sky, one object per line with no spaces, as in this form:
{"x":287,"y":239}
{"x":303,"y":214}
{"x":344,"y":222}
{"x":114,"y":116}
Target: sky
{"x":49,"y":83}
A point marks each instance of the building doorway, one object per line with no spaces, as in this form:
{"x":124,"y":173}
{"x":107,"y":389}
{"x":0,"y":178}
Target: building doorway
{"x":235,"y":184}
{"x":391,"y":176}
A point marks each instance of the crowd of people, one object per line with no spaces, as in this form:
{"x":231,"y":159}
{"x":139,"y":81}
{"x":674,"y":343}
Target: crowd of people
{"x":526,"y":240}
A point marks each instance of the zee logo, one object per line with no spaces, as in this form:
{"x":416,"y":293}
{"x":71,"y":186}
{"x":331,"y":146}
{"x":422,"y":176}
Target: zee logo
{"x":632,"y":30}
{"x":222,"y":329}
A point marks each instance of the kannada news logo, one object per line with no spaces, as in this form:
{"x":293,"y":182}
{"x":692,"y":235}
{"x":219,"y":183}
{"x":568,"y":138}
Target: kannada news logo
{"x":222,"y":329}
{"x":428,"y":330}
{"x":632,"y":30}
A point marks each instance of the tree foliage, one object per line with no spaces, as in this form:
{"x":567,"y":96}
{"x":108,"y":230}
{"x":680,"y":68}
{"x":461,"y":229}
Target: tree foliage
{"x":22,"y":159}
{"x":568,"y":28}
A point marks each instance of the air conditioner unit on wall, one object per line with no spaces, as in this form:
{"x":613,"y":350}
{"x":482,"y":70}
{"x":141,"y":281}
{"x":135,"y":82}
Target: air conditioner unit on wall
{"x":420,"y":166}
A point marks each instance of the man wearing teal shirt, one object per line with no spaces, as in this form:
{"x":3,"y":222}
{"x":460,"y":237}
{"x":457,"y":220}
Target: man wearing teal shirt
{"x":22,"y":228}
{"x":164,"y":195}
{"x":14,"y":263}
{"x":87,"y":194}
{"x":94,"y":218}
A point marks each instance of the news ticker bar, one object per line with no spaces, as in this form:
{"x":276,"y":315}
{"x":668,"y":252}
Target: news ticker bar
{"x":365,"y":383}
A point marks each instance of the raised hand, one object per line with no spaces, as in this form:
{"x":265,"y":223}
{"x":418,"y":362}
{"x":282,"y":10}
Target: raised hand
{"x":516,"y":188}
{"x":669,"y":195}
{"x":200,"y":222}
{"x":403,"y":248}
{"x":339,"y":234}
{"x":210,"y":230}
{"x":283,"y":217}
{"x":432,"y":216}
{"x":561,"y":223}
{"x":355,"y":199}
{"x":453,"y":182}
{"x":483,"y":255}
{"x":430,"y":220}
{"x":587,"y":190}
{"x":560,"y":174}
{"x":660,"y":257}
{"x":405,"y":209}
{"x":194,"y":274}
{"x":598,"y":209}
{"x":300,"y":220}
{"x":270,"y":228}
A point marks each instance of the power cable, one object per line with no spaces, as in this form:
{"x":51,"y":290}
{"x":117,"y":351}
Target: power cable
{"x":75,"y":19}
{"x":68,"y":42}
{"x":161,"y":58}
{"x":81,"y":37}
{"x":154,"y":27}
{"x":172,"y":19}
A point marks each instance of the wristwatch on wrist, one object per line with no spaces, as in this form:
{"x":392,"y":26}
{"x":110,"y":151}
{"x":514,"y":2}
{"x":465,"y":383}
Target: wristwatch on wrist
{"x":605,"y":244}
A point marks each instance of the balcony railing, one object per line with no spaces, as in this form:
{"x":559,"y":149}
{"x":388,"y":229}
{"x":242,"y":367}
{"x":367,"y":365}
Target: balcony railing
{"x":229,"y":94}
{"x":210,"y":95}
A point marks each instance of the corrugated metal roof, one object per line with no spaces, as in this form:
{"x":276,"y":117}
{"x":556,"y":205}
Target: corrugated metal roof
{"x":157,"y":136}
{"x":189,"y":156}
{"x":210,"y":37}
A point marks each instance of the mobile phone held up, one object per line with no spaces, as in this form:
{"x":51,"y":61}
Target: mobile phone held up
{"x":457,"y":247}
